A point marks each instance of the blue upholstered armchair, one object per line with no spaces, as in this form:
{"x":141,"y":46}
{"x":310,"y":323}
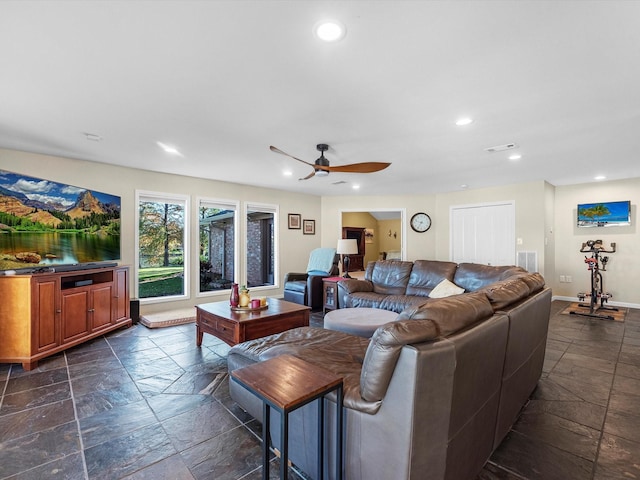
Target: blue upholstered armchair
{"x":306,"y":288}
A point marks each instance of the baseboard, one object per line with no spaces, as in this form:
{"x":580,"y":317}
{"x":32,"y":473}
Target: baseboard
{"x":614,"y":304}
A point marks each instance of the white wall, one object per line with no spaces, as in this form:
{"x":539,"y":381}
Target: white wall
{"x":122,"y":181}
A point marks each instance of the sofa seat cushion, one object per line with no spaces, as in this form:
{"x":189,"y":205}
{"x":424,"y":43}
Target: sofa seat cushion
{"x":398,"y":303}
{"x":335,"y":351}
{"x":364,"y":299}
{"x":296,"y":286}
{"x":430,"y":321}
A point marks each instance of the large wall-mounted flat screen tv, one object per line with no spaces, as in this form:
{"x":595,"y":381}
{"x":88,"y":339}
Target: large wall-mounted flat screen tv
{"x":46,"y":224}
{"x":604,"y":214}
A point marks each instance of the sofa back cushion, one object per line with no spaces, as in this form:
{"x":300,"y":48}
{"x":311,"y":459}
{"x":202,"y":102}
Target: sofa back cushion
{"x":474,"y":276}
{"x":437,"y":318}
{"x":389,"y":277}
{"x":426,"y":274}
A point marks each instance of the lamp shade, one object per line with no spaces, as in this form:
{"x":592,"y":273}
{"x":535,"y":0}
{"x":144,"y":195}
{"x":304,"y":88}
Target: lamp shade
{"x":347,"y":246}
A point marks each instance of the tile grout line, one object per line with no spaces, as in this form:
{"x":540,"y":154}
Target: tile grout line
{"x":77,"y":418}
{"x":606,"y":410}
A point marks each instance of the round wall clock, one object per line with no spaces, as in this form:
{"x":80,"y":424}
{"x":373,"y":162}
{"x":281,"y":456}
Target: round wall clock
{"x":420,"y":222}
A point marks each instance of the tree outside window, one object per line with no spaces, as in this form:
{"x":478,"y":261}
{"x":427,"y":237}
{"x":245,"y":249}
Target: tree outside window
{"x":161,"y":246}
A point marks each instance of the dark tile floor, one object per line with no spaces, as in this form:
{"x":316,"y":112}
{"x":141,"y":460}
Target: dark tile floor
{"x":148,"y":404}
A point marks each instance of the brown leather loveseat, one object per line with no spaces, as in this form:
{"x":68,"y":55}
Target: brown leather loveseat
{"x":431,"y":394}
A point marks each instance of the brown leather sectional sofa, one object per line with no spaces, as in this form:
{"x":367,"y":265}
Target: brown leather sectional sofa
{"x":395,"y":284}
{"x":430,"y":395}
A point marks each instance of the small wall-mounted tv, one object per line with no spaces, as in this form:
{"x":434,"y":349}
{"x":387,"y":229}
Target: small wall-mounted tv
{"x":47,"y":224}
{"x":604,"y":214}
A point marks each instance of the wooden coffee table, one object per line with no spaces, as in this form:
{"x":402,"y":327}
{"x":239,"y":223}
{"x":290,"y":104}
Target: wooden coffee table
{"x":235,"y":327}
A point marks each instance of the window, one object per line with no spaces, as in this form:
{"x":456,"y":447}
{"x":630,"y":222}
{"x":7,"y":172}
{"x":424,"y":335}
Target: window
{"x":217,"y":244}
{"x":261,"y":245}
{"x":161,"y":239}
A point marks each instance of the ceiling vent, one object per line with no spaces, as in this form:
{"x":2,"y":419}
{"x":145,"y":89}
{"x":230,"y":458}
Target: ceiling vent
{"x":500,"y":148}
{"x":341,"y":182}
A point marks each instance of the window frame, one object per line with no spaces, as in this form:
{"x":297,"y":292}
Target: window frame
{"x":265,"y":208}
{"x":218,"y":203}
{"x":163,"y":197}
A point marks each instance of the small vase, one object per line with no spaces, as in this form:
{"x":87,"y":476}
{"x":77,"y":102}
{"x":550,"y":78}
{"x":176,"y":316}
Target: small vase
{"x":234,"y":299}
{"x":244,"y":297}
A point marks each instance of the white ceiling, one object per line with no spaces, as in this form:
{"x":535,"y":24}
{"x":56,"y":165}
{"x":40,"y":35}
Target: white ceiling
{"x":223,"y":80}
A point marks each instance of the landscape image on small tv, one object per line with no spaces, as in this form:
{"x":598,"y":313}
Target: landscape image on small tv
{"x":45,"y":223}
{"x":604,"y":214}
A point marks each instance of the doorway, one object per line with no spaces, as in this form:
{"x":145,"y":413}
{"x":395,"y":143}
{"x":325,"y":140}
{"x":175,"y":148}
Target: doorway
{"x":384,"y":232}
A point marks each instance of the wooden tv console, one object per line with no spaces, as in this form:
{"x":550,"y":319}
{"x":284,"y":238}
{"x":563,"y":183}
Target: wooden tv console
{"x":45,"y":313}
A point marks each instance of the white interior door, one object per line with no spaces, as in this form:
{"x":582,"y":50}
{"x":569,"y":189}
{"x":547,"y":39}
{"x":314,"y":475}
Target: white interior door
{"x":483,"y":234}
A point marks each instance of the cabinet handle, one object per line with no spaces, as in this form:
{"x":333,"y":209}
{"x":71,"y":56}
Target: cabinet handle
{"x":91,"y":310}
{"x":58,"y":311}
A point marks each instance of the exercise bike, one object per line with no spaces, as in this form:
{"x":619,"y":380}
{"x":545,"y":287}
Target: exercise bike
{"x":597,"y":293}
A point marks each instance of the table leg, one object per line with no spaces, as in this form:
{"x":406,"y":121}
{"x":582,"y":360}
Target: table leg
{"x":284,"y":445}
{"x":339,"y":433}
{"x":199,"y":333}
{"x":266,"y":421}
{"x":321,"y":427}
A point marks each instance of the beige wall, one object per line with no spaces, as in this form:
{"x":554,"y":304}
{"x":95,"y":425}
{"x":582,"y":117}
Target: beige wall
{"x":387,"y":241}
{"x":545,"y":219}
{"x":122,"y":181}
{"x":623,"y":270}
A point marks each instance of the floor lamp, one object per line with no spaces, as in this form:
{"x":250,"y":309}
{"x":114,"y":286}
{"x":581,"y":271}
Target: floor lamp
{"x":346,"y":247}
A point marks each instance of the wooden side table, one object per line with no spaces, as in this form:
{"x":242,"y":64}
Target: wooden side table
{"x":287,"y":383}
{"x":330,"y":298}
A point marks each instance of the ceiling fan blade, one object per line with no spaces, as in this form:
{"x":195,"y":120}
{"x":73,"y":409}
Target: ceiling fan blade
{"x":308,"y":176}
{"x":364,"y":167}
{"x":277,"y":150}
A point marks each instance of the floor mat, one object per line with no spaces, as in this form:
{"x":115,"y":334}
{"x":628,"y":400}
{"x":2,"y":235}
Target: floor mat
{"x":605,"y":313}
{"x":169,"y":318}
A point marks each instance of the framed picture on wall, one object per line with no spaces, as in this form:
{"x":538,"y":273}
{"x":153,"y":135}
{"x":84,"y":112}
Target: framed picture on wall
{"x":309,"y":227}
{"x":368,"y":235}
{"x":294,"y":221}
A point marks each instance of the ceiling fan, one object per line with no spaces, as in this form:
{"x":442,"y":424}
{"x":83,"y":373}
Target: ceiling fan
{"x":322,"y":168}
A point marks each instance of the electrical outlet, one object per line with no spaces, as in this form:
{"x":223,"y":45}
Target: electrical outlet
{"x":519,"y":241}
{"x":568,"y":278}
{"x":563,"y":279}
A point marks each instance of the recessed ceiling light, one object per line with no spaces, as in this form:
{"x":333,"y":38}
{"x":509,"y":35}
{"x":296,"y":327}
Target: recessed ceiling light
{"x":356,"y":187}
{"x":461,"y":122}
{"x":600,"y":177}
{"x":169,"y":149}
{"x":287,"y":173}
{"x":515,"y":156}
{"x":464,"y":185}
{"x":330,"y":30}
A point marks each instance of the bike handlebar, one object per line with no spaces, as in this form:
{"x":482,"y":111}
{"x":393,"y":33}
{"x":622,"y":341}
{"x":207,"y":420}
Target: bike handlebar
{"x":593,"y":247}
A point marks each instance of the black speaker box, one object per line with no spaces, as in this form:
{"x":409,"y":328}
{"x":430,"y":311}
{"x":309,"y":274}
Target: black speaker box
{"x":134,"y":310}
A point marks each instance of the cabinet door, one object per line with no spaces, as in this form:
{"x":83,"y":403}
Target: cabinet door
{"x":101,"y":315}
{"x":121,"y":294}
{"x":46,"y":310}
{"x":75,"y":314}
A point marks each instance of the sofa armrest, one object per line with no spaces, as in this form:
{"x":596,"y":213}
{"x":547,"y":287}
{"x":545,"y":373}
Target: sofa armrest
{"x":294,"y":277}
